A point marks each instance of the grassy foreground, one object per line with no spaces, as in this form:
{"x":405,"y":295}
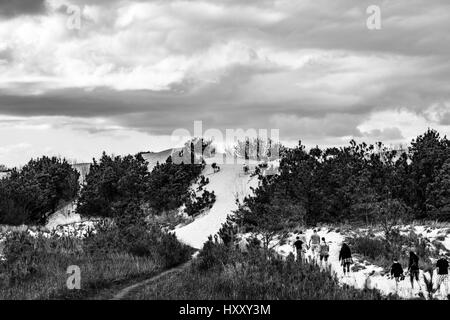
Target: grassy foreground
{"x":223,"y":273}
{"x":98,"y":274}
{"x":37,"y":267}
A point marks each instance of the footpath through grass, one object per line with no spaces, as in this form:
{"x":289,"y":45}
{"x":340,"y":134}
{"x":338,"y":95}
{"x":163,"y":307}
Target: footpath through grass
{"x":36,"y":266}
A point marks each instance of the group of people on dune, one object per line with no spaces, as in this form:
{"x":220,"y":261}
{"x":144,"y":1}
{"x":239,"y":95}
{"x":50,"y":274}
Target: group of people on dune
{"x":398,"y":274}
{"x":320,"y":248}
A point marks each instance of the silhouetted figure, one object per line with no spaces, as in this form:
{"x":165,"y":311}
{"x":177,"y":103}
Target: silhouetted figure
{"x":413,"y":269}
{"x":298,"y":245}
{"x":345,"y":256}
{"x":442,"y":273}
{"x":397,"y":272}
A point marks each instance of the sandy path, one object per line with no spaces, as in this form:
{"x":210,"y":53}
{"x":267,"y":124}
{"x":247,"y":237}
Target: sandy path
{"x":228,"y":183}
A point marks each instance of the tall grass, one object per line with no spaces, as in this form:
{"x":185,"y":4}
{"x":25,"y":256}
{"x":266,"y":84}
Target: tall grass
{"x":97,"y":274}
{"x":381,"y":252}
{"x":35,"y":266}
{"x":257,"y":275}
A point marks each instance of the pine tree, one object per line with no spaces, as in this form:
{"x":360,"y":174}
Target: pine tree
{"x":438,"y":194}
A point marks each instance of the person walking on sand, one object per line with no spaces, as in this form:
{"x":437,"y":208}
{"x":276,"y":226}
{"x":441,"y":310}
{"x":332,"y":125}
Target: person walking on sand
{"x":298,"y":246}
{"x":345,"y":257}
{"x":413,"y":269}
{"x":442,"y":273}
{"x":314,"y":243}
{"x":397,"y":273}
{"x":324,"y":252}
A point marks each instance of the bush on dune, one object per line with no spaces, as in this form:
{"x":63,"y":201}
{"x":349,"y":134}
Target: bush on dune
{"x":196,"y":205}
{"x":132,"y":233}
{"x":111,"y":184}
{"x":213,"y":256}
{"x":169,"y":183}
{"x":382,"y":252}
{"x":114,"y":182}
{"x":31,"y":194}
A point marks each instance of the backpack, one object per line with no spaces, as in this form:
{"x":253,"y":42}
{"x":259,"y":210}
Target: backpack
{"x":324,"y":249}
{"x":315,"y":239}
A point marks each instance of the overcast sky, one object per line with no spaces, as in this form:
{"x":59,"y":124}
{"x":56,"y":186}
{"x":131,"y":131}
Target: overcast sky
{"x":137,"y":70}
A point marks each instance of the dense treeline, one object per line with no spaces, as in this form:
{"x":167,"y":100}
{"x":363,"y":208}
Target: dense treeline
{"x":111,"y":184}
{"x":115,"y":182}
{"x":358,"y":182}
{"x":31,"y":194}
{"x":169,"y":183}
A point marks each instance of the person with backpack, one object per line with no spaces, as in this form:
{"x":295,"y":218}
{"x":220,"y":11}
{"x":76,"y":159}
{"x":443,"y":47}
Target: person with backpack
{"x":345,"y":256}
{"x":397,"y":273}
{"x":413,"y":269}
{"x":314,"y":243}
{"x":324,"y":251}
{"x":442,"y":273}
{"x":298,"y":246}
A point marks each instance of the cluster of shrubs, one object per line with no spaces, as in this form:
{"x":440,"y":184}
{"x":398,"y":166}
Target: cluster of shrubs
{"x":202,"y":182}
{"x":113,"y":182}
{"x":213,"y":255}
{"x":31,"y":194}
{"x":197,"y":204}
{"x":123,"y":247}
{"x":169,"y":184}
{"x":381,"y":251}
{"x":133,"y":234}
{"x":27,"y":256}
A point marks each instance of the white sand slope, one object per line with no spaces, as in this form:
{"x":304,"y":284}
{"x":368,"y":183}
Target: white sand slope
{"x":229,"y":183}
{"x":63,"y":216}
{"x":153,"y":157}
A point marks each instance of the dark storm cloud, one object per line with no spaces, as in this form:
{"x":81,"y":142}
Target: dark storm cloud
{"x":163,"y":112}
{"x":13,"y":8}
